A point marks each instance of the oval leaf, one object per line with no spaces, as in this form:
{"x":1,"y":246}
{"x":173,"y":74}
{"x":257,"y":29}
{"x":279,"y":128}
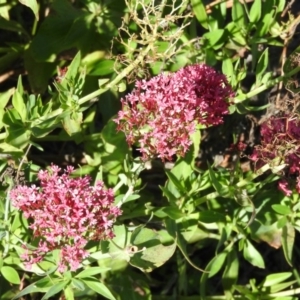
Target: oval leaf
{"x":10,"y":274}
{"x":253,"y":256}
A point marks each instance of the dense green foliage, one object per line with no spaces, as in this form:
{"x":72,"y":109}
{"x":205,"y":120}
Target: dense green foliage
{"x":190,"y":228}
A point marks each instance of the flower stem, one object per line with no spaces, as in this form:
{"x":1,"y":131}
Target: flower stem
{"x":265,"y":86}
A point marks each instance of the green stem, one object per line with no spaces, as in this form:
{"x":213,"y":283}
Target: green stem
{"x":221,"y":297}
{"x":113,"y":83}
{"x":265,"y":86}
{"x":120,"y":77}
{"x":6,"y":216}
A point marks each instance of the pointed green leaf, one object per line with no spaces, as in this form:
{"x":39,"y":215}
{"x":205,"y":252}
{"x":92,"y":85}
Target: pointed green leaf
{"x":255,"y":11}
{"x":19,"y":105}
{"x":262,"y":65}
{"x":231,"y":272}
{"x":99,"y":288}
{"x":55,"y":289}
{"x":42,"y":285}
{"x":200,"y":12}
{"x":238,"y":14}
{"x":221,"y":189}
{"x":216,"y":264}
{"x":288,"y":239}
{"x":276,"y":278}
{"x":252,"y":255}
{"x":72,"y":71}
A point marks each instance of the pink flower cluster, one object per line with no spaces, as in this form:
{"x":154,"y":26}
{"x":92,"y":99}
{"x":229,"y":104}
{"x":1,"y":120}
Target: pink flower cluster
{"x":66,"y":213}
{"x":280,"y":138}
{"x":162,"y":113}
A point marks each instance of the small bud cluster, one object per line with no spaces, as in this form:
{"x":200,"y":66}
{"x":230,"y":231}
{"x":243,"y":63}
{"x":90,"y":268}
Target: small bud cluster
{"x":162,"y":113}
{"x":66,"y":213}
{"x":280,"y":138}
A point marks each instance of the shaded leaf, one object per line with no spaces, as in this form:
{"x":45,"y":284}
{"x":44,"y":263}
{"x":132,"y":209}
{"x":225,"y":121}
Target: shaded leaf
{"x":33,"y":5}
{"x":99,"y":288}
{"x":288,"y":239}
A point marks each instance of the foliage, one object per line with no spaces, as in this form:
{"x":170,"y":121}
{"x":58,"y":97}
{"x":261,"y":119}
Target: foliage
{"x":187,"y":227}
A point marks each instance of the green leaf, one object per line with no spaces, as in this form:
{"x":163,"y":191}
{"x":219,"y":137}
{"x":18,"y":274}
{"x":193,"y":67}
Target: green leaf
{"x":32,"y":4}
{"x":99,"y":288}
{"x":39,"y":72}
{"x":4,"y":98}
{"x":102,"y":68}
{"x":175,"y":181}
{"x":282,"y":222}
{"x":18,"y":138}
{"x":210,"y":216}
{"x":41,"y":285}
{"x":196,"y":139}
{"x":151,"y":252}
{"x":72,"y":125}
{"x":170,"y":211}
{"x":281,"y":209}
{"x":12,"y":26}
{"x":200,"y":12}
{"x":268,"y":14}
{"x":252,"y":255}
{"x":72,"y":70}
{"x":231,"y":272}
{"x":281,"y":286}
{"x":228,"y":70}
{"x":10,"y":274}
{"x":78,"y":284}
{"x":213,"y":267}
{"x":91,"y":271}
{"x":262,"y":65}
{"x":19,"y":105}
{"x":181,"y":243}
{"x":221,"y":189}
{"x":216,"y":264}
{"x":238,"y":14}
{"x":288,"y":239}
{"x":20,"y":87}
{"x":115,"y":148}
{"x":55,"y":289}
{"x":273,"y":279}
{"x":255,"y":11}
{"x":7,"y":60}
{"x":69,"y":293}
{"x":215,"y":39}
{"x":52,"y":35}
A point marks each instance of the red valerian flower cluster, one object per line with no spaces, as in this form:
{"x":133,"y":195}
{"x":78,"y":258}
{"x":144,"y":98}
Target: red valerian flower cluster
{"x":280,"y":138}
{"x":66,"y":213}
{"x":162,"y":113}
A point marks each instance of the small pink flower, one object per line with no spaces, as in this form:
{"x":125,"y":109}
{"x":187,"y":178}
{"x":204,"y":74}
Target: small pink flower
{"x":162,"y":113}
{"x":283,"y":186}
{"x":66,"y":213}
